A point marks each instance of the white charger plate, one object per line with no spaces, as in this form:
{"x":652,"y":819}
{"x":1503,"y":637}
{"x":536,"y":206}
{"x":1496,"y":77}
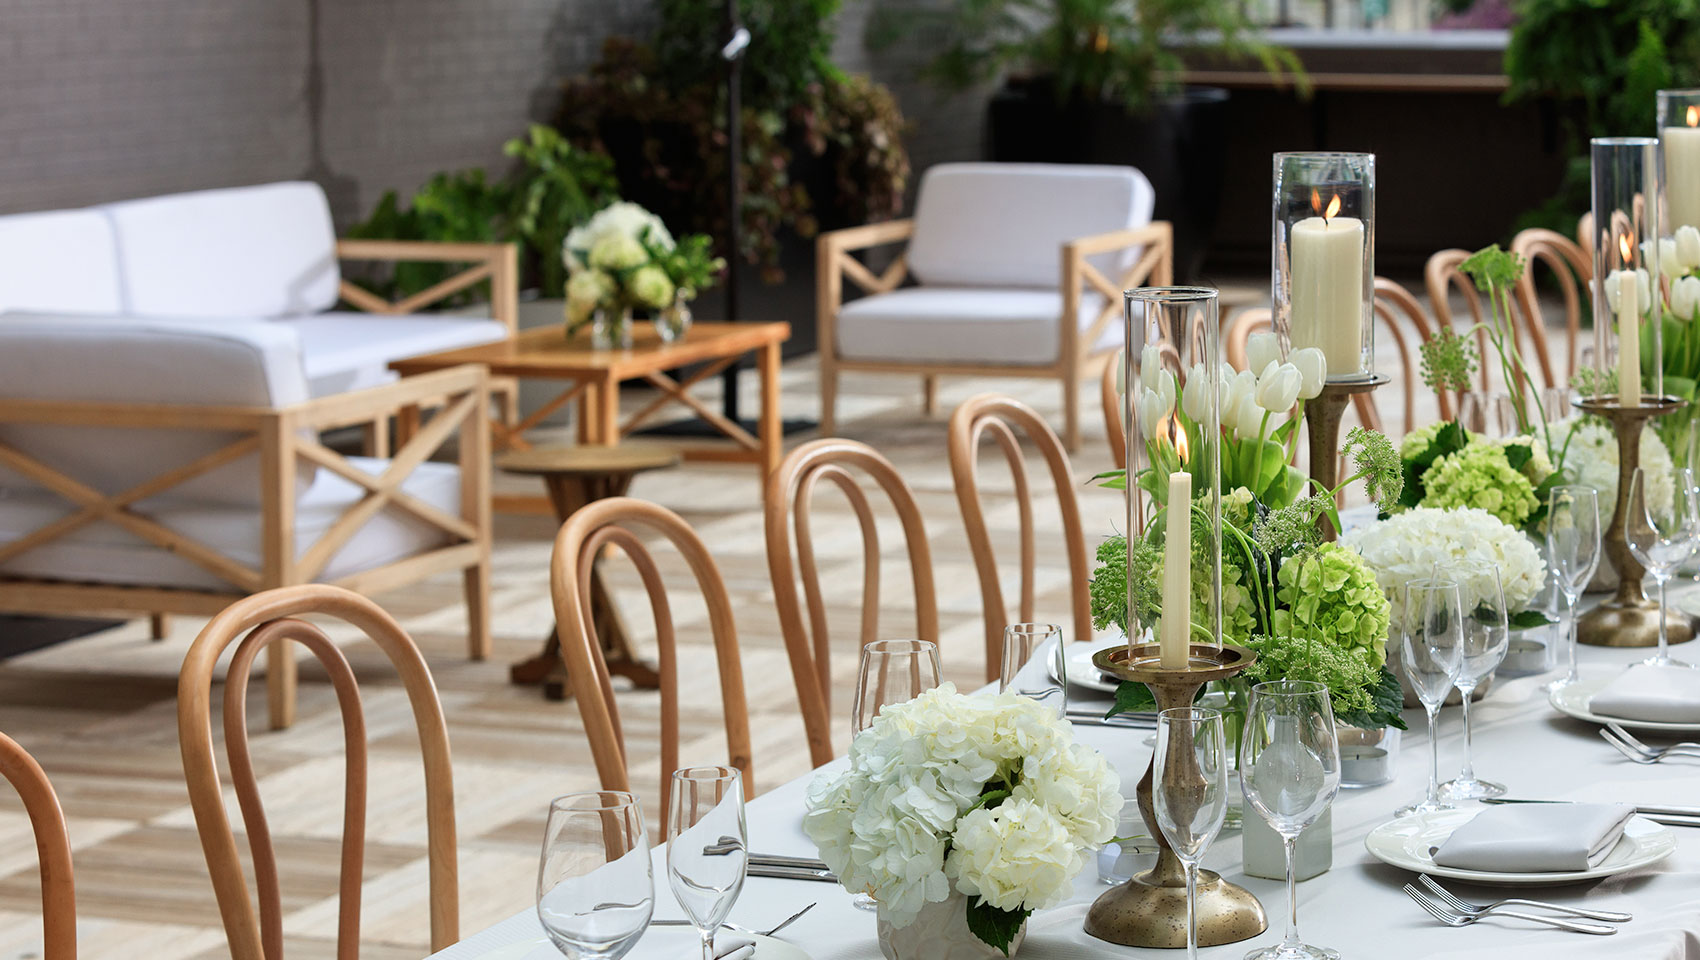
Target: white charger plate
{"x":1406,"y":842}
{"x":1082,"y":671}
{"x":1573,"y":701}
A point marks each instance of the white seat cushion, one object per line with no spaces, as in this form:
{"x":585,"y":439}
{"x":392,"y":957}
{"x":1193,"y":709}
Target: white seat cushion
{"x":264,"y":251}
{"x":954,"y":325}
{"x":352,"y":351}
{"x":63,"y":261}
{"x":103,"y":553}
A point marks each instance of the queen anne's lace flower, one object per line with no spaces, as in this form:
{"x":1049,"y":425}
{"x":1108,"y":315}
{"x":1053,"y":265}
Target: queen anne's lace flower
{"x":1468,"y":544}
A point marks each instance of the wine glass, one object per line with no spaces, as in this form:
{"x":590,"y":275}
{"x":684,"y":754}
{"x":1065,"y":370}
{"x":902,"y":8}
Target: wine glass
{"x":1032,"y":652}
{"x":1573,"y":545}
{"x":1290,"y":772}
{"x":706,"y":811}
{"x":1487,"y":635}
{"x":1430,"y":650}
{"x":1189,"y":777}
{"x":595,"y":886}
{"x":1661,"y":539}
{"x":893,"y":671}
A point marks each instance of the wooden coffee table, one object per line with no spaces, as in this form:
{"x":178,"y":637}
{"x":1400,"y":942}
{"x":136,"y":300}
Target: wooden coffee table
{"x":593,"y":379}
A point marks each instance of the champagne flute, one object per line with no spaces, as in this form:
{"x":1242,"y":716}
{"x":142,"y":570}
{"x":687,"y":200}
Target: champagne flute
{"x":1487,"y":636}
{"x":1290,"y":773}
{"x":1573,"y":545}
{"x":1032,"y":653}
{"x":893,"y":671}
{"x":595,"y":886}
{"x":1661,"y":539}
{"x":1430,"y":652}
{"x":705,"y":807}
{"x":1189,"y":777}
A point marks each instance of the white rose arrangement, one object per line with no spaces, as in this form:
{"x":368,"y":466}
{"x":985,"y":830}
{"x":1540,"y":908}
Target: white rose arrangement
{"x":623,"y":257}
{"x":988,"y":796}
{"x":1467,"y":543}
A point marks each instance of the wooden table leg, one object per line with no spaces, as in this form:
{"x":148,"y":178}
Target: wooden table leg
{"x":608,"y":413}
{"x":771,"y":430}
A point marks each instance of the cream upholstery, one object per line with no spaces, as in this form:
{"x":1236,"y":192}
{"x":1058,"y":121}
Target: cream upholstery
{"x":954,"y":325}
{"x":64,"y":260}
{"x":343,"y":351}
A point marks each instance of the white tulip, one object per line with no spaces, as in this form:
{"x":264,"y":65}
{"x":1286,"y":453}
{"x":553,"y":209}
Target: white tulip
{"x":1239,"y":390}
{"x":1312,"y":365}
{"x":1614,"y":286}
{"x":1151,"y":410}
{"x":1121,"y":372}
{"x":1195,"y":396}
{"x":1688,"y":247}
{"x":1278,"y":387}
{"x":1248,"y":416}
{"x":1262,"y":349}
{"x":1667,"y":257}
{"x":1685,"y":297}
{"x":1167,"y":389}
{"x":1150,"y":361}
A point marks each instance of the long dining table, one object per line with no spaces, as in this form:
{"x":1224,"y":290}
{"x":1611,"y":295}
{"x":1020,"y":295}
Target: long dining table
{"x":1357,"y":907}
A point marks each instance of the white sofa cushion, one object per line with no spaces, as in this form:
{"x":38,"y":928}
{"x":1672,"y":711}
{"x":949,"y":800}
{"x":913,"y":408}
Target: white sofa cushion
{"x":954,"y":325}
{"x":1004,"y":224}
{"x":352,"y":351}
{"x":264,"y":251}
{"x":64,"y":261}
{"x":133,"y":360}
{"x":103,"y":553}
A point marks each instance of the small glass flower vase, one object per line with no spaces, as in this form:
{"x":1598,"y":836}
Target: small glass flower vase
{"x":672,"y":321}
{"x":940,"y":932}
{"x":1266,"y":857}
{"x":611,"y":329}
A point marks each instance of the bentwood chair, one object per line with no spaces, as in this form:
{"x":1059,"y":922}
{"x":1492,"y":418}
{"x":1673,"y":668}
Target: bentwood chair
{"x":616,"y":521}
{"x":260,"y":621}
{"x":790,"y":491}
{"x":1572,"y":270}
{"x":52,"y":846}
{"x":1001,"y":417}
{"x":1110,"y":395}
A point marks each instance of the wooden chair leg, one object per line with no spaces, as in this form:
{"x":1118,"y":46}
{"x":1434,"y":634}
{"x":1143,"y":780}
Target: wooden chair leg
{"x":375,"y":441}
{"x":828,"y":401}
{"x":478,"y":609}
{"x":159,"y":625}
{"x":1071,"y":411}
{"x":280,"y":685}
{"x":930,"y":394}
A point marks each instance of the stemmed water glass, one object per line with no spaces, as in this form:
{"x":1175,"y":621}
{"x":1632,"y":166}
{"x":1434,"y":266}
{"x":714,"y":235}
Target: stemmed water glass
{"x":595,"y":887}
{"x":1573,"y":546}
{"x":1430,"y":649}
{"x":1487,"y":635}
{"x":705,"y":807}
{"x":1189,"y":792}
{"x":893,"y":671}
{"x":1661,"y":539}
{"x":1290,"y":772}
{"x":1034,"y":664}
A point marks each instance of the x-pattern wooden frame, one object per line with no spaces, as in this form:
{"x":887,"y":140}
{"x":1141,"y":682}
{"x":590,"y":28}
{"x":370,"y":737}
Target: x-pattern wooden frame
{"x":1077,"y":355}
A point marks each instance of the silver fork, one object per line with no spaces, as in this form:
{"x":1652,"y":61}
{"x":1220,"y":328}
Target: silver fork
{"x":1640,"y":756}
{"x":735,"y":927}
{"x":1648,"y":749}
{"x":1465,"y":906}
{"x":1452,"y":918}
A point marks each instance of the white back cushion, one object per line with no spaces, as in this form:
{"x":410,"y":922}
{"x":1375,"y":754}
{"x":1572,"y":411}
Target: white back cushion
{"x":265,"y":251}
{"x":61,"y":260}
{"x":139,"y":361}
{"x":1004,"y":224}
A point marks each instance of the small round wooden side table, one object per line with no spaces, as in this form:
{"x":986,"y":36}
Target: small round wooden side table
{"x":574,"y":477}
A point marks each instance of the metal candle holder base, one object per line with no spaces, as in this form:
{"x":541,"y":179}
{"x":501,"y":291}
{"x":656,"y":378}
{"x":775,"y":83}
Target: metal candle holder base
{"x":1628,"y":619}
{"x":1322,"y":428}
{"x":1150,"y":909}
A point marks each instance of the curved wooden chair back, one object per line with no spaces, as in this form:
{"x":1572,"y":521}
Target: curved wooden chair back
{"x":1585,"y":237}
{"x":1573,"y":269}
{"x":268,"y":618}
{"x":1440,"y":277}
{"x":990,"y":413}
{"x":614,"y":521}
{"x":1111,"y":398}
{"x":1238,"y":330}
{"x":790,"y":490}
{"x":52,"y":849}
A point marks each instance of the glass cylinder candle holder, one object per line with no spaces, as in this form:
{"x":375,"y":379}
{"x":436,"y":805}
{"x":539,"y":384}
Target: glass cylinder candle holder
{"x":1172,"y":418}
{"x":1323,"y":278}
{"x":1679,"y":140}
{"x":1626,"y":231}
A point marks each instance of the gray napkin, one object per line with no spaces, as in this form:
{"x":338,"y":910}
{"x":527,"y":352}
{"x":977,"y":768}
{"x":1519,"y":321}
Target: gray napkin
{"x":1656,"y":694}
{"x":1536,"y":837}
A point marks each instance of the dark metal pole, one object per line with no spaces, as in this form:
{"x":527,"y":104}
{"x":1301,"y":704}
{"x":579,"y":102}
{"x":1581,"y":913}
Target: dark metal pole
{"x":737,"y":38}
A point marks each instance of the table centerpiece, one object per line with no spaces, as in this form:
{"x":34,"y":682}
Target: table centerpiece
{"x":622,"y":259}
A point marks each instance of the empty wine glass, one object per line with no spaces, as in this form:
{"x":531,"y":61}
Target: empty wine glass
{"x":1661,"y":537}
{"x":893,"y":671}
{"x":595,"y":886}
{"x":1189,"y":776}
{"x":1487,"y":635}
{"x":705,"y":808}
{"x":1290,"y":773}
{"x":1034,"y":665}
{"x":1430,"y":648}
{"x":1573,"y":545}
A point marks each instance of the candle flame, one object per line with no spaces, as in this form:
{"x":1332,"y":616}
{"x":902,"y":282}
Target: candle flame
{"x":1180,"y":442}
{"x":1626,"y":248}
{"x":1333,"y":208}
{"x":1694,"y":116}
{"x":1315,"y":202}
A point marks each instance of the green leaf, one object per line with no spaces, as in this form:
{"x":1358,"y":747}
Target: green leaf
{"x":1528,"y":619}
{"x":1517,"y":454}
{"x":997,"y":928}
{"x":1389,"y":702}
{"x":1132,"y":697}
{"x":990,"y":800}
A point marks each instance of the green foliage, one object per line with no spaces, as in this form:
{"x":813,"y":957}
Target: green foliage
{"x":458,"y":207}
{"x":1448,"y":361}
{"x":790,"y":48}
{"x":1378,"y":464}
{"x":555,"y":188}
{"x":997,"y":928}
{"x":1132,"y":697}
{"x":691,"y":264}
{"x":1387,"y":700}
{"x":1493,"y":268}
{"x":1354,"y":686}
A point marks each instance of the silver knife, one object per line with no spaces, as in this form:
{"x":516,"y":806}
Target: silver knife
{"x":729,"y":844}
{"x":790,"y":873}
{"x":1670,"y":816}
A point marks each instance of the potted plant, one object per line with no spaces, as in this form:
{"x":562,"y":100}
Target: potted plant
{"x":1098,"y":81}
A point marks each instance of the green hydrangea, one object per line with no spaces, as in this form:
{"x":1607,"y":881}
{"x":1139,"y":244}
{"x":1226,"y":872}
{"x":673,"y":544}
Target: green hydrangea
{"x":1417,"y":441}
{"x":1238,"y":508}
{"x":1330,"y":594}
{"x":1481,"y":476}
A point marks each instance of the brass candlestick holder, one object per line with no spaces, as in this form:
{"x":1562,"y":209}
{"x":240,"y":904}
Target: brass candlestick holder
{"x":1150,"y":909}
{"x":1628,"y":619}
{"x":1322,"y":427}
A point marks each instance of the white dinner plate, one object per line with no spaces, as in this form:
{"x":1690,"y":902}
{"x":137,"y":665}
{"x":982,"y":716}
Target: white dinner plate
{"x":1082,"y":671}
{"x":1406,"y":843}
{"x":1573,"y":700}
{"x":539,"y":948}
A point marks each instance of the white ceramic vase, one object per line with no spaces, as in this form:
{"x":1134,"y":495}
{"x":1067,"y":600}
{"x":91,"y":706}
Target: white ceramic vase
{"x":940,"y":932}
{"x":1266,"y":856}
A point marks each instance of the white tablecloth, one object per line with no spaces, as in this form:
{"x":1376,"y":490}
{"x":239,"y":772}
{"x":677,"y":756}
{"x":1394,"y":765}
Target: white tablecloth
{"x":1356,"y":908}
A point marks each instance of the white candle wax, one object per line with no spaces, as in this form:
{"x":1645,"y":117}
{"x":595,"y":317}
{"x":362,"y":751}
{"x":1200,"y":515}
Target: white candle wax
{"x":1176,"y":628}
{"x":1628,"y":339}
{"x":1682,"y":176}
{"x":1327,"y":290}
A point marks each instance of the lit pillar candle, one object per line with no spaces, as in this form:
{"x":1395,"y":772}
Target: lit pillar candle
{"x":1327,"y":288}
{"x":1176,"y":627}
{"x":1628,"y":337}
{"x":1682,"y":172}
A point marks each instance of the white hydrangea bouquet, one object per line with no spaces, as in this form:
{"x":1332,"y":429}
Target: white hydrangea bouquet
{"x":1468,"y":543}
{"x":985,"y":799}
{"x":623,"y":258}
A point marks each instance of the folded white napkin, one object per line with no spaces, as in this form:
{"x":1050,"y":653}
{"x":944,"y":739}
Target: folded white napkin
{"x":1536,"y":837}
{"x":730,"y":946}
{"x":1657,"y":694}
